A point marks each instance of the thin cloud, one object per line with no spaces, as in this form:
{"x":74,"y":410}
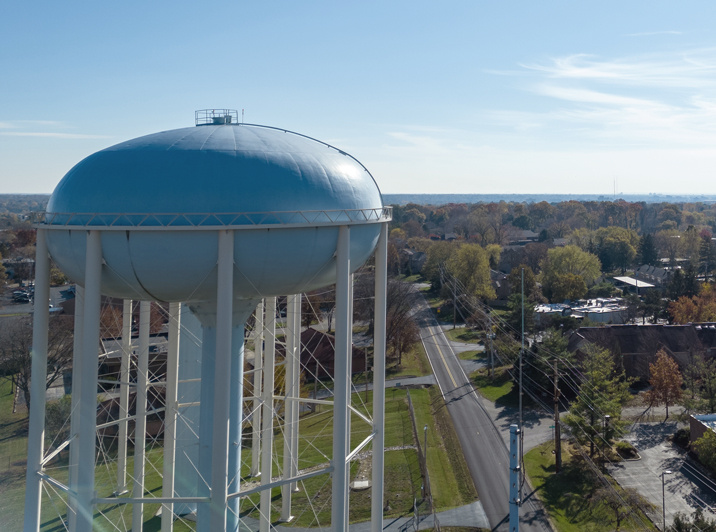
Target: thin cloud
{"x":690,"y":69}
{"x":653,"y":33}
{"x":42,"y":128}
{"x":591,"y":96}
{"x":50,"y":135}
{"x":40,"y":123}
{"x":659,"y":100}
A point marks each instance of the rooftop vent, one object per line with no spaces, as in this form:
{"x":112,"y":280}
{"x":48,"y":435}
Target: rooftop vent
{"x":216,"y":117}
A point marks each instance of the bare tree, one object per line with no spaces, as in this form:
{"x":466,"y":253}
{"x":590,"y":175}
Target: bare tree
{"x":622,"y":503}
{"x":402,"y":331}
{"x":110,"y":321}
{"x":364,"y":296}
{"x":310,"y":308}
{"x":15,"y":351}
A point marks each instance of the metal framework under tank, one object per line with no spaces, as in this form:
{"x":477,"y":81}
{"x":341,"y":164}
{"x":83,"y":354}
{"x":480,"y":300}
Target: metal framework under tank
{"x":220,"y":499}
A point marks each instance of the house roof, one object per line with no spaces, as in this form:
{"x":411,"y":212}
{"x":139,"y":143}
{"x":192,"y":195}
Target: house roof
{"x":631,"y":281}
{"x":633,"y":339}
{"x":709,"y":420}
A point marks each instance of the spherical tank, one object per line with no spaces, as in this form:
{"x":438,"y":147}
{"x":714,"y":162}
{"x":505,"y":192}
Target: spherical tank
{"x":159,"y":200}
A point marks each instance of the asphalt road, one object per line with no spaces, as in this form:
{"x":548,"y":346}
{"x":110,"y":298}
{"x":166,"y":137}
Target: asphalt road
{"x":483,"y":446}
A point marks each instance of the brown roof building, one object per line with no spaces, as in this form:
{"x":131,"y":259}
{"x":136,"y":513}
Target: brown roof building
{"x":635,"y":346}
{"x":318,"y":353}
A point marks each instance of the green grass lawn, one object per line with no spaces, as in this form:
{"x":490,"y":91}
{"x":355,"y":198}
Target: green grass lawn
{"x":13,"y":460}
{"x":452,"y":485}
{"x":465,"y":335}
{"x":449,"y":478}
{"x":498,"y":389}
{"x":571,"y":498}
{"x":414,"y":364}
{"x":473,"y":355}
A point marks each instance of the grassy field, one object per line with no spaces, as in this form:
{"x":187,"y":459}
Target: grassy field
{"x":450,"y":480}
{"x":572,"y":498}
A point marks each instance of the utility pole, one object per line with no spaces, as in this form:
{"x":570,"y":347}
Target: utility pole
{"x":491,"y":337}
{"x":557,"y":435}
{"x":522,"y":354}
{"x":514,"y":501}
{"x":454,"y":305}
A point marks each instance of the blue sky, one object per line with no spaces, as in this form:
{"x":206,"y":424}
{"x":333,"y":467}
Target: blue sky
{"x":462,"y":96}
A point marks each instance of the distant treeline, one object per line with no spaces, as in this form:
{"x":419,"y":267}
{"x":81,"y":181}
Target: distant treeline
{"x":22,"y":203}
{"x":444,"y":199}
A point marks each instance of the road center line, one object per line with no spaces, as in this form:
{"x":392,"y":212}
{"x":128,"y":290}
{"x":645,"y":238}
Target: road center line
{"x":442,"y":356}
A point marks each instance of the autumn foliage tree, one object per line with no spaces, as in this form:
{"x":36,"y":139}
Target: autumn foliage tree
{"x":563,"y":265}
{"x":470,"y":265}
{"x":695,"y":309}
{"x":665,"y":381}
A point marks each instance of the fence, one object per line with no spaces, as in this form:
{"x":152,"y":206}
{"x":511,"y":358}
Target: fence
{"x":423,"y":461}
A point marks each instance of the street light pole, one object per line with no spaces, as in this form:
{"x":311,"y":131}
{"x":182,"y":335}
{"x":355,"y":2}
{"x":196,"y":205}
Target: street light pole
{"x":605,"y":441}
{"x":426,"y":492}
{"x":663,"y":498}
{"x":425,"y":432}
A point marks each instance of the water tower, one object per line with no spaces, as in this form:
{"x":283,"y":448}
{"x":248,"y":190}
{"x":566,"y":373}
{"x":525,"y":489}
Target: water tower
{"x":218,"y":217}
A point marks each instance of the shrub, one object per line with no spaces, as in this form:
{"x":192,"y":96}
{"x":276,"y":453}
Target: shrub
{"x":625,"y":449}
{"x":682,"y":437}
{"x":706,"y":447}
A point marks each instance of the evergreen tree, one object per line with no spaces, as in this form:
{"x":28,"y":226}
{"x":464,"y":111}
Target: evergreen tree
{"x":651,"y":306}
{"x":675,"y":288}
{"x":691,"y":283}
{"x":540,"y":367}
{"x":602,"y":392}
{"x":533,"y":296}
{"x":647,"y":250}
{"x":707,"y":253}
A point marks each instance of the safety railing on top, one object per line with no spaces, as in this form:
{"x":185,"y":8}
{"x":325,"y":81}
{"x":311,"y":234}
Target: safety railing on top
{"x":244,"y":220}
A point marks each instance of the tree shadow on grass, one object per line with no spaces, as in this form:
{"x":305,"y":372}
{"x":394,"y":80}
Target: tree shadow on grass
{"x":570,"y":491}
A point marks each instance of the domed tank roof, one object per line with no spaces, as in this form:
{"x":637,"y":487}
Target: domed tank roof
{"x":224,"y":168}
{"x":159,"y":201}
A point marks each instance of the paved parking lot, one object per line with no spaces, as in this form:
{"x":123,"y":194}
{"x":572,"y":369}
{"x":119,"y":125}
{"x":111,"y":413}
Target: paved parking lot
{"x":10,"y":307}
{"x":687,"y":487}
